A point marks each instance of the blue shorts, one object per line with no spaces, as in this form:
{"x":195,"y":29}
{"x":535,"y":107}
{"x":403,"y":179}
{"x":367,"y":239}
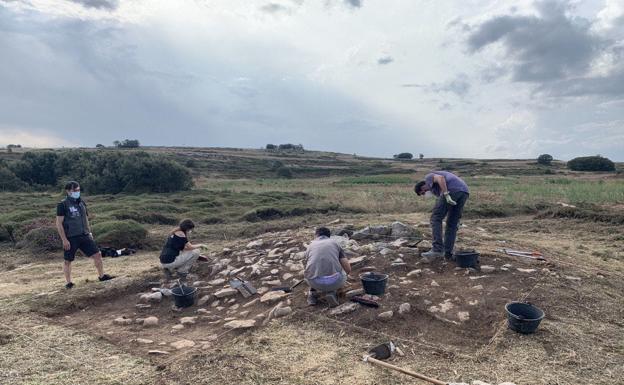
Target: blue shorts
{"x":83,"y":243}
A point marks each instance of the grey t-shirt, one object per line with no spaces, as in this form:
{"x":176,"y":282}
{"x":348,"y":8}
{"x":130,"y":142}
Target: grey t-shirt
{"x":453,"y":183}
{"x":323,"y":258}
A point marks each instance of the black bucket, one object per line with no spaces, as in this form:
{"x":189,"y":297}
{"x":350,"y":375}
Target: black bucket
{"x":523,"y":317}
{"x":466,"y":259}
{"x":374,"y":283}
{"x":184,"y":296}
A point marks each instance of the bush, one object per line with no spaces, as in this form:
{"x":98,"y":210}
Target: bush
{"x":284,"y":172}
{"x":37,"y":168}
{"x":591,"y":163}
{"x":403,"y":155}
{"x":99,"y":145}
{"x":119,"y":234}
{"x":127,"y":143}
{"x":145,"y":217}
{"x":545,"y":159}
{"x":271,"y":147}
{"x":44,"y":238}
{"x":10,"y":182}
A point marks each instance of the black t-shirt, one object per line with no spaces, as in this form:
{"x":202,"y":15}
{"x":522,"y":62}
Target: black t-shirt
{"x":60,"y":209}
{"x":172,"y":248}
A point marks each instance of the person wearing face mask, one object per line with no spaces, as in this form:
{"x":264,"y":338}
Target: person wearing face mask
{"x":72,"y":224}
{"x":179,"y":254}
{"x":452,"y":193}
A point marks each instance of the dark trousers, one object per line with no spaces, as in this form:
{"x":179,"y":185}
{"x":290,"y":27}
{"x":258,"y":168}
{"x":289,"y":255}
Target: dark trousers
{"x":441,"y":210}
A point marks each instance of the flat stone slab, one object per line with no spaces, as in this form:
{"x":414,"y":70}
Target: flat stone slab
{"x":182,"y":344}
{"x":344,"y":308}
{"x":273,"y":296}
{"x":240,"y":324}
{"x":228,"y":292}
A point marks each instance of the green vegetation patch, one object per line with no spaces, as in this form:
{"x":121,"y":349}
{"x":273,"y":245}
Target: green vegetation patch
{"x":120,"y":233}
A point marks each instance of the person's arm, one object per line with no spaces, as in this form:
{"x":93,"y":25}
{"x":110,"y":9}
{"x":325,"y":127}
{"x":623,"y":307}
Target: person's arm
{"x":61,"y":231}
{"x":190,"y":246}
{"x":439,"y":179}
{"x":344,"y":262}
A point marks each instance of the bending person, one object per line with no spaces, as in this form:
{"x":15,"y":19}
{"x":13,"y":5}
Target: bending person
{"x":326,"y":267}
{"x":178,"y":254}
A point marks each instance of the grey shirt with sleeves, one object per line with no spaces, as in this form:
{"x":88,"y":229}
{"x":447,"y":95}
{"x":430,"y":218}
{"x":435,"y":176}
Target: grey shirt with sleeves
{"x":322,"y":258}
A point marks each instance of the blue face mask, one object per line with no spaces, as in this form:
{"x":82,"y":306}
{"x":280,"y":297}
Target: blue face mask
{"x":75,"y":194}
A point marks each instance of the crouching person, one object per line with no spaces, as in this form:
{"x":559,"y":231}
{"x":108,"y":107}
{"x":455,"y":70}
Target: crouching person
{"x":326,"y":268}
{"x":178,"y":254}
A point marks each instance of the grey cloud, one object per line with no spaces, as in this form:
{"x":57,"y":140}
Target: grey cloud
{"x":459,"y":86}
{"x":611,"y":85}
{"x":385,"y":60}
{"x":274,"y":8}
{"x":355,"y":3}
{"x":550,"y":46}
{"x":110,"y":5}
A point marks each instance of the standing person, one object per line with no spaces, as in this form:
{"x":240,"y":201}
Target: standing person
{"x":179,"y":254}
{"x":72,"y":224}
{"x":452,"y":193}
{"x":326,"y":267}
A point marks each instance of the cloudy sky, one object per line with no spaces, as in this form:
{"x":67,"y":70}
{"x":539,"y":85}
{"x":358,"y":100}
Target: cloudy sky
{"x":461,"y":78}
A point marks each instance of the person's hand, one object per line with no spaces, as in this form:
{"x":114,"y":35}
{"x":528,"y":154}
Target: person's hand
{"x":91,"y":236}
{"x":66,"y":245}
{"x":449,"y":200}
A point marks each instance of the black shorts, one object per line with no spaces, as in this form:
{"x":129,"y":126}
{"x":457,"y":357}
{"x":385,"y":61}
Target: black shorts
{"x":83,"y":243}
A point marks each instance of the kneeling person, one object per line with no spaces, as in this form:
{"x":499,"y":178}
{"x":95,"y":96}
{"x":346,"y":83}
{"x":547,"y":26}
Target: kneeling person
{"x":326,"y":267}
{"x":178,"y":254}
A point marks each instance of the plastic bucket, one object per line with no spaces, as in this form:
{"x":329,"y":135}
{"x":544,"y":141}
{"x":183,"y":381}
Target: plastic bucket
{"x":374,"y":283}
{"x":523,"y":317}
{"x":184,"y":296}
{"x":467,"y":259}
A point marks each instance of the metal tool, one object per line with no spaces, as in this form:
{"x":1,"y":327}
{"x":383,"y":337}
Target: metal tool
{"x":526,"y":254}
{"x":288,"y":289}
{"x":243,"y":287}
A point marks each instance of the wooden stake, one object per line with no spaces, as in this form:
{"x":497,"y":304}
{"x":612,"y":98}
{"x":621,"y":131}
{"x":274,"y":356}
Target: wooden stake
{"x":404,"y":371}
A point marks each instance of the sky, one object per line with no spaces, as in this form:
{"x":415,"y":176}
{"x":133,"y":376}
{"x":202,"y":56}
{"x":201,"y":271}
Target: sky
{"x":465,"y":78}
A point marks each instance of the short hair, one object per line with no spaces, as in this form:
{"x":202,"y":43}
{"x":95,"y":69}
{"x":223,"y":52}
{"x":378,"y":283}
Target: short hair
{"x":419,"y":187}
{"x":186,"y":225}
{"x":322,"y":231}
{"x":71,"y":185}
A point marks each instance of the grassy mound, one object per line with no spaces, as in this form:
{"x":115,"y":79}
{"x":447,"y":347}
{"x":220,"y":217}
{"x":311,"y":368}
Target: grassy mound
{"x":120,"y":234}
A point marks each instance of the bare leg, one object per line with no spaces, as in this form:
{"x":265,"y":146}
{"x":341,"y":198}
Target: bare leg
{"x":67,"y":271}
{"x":97,"y":261}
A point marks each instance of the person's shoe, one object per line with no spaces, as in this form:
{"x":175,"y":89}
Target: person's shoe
{"x":203,"y":258}
{"x":312,"y":299}
{"x":332,"y":299}
{"x":449,"y":257}
{"x":431,"y":256}
{"x":106,"y":277}
{"x":69,"y":285}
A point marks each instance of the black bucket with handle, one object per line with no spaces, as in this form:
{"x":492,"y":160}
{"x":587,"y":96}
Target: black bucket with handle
{"x":523,"y":317}
{"x":467,"y":259}
{"x":184,"y":296}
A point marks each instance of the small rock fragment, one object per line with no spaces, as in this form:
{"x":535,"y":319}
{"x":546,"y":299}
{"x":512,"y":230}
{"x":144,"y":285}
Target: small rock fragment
{"x":414,"y":273}
{"x":434,"y":283}
{"x":344,"y":308}
{"x":150,"y":321}
{"x":487,"y":269}
{"x":240,"y":324}
{"x":157,"y":352}
{"x":405,"y":308}
{"x":282,"y":311}
{"x":385,"y":315}
{"x":181,"y":344}
{"x":144,"y":341}
{"x":123,"y":321}
{"x":463,"y":316}
{"x":228,"y":292}
{"x":188,"y":320}
{"x":352,"y":293}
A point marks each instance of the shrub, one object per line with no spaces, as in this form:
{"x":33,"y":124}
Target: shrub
{"x":119,"y":234}
{"x":37,"y":168}
{"x":421,"y":156}
{"x":99,"y":145}
{"x":44,"y":238}
{"x":145,"y":217}
{"x":284,"y":172}
{"x":545,"y":159}
{"x":403,"y":155}
{"x":10,"y":182}
{"x":591,"y":163}
{"x":127,"y":143}
{"x":271,"y":147}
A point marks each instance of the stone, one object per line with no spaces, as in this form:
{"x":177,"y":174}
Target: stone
{"x":182,"y":344}
{"x":199,"y":283}
{"x":188,"y":320}
{"x":463,"y":316}
{"x":123,"y":321}
{"x":204,"y":300}
{"x":371,"y":232}
{"x":414,"y":273}
{"x":401,"y":230}
{"x":251,"y":303}
{"x":477,"y":382}
{"x":273,"y":296}
{"x":255,"y":244}
{"x":434,"y":283}
{"x":571,"y":278}
{"x":344,"y":308}
{"x":352,"y":293}
{"x":240,"y":324}
{"x":386,"y":251}
{"x":150,"y":321}
{"x":526,"y":270}
{"x":507,"y":266}
{"x":177,"y":327}
{"x":287,"y":276}
{"x":478,"y":287}
{"x":215,"y":303}
{"x":263,"y":290}
{"x":227,"y":292}
{"x":151,"y":297}
{"x":506,"y":383}
{"x":144,"y":341}
{"x":405,"y":308}
{"x":399,"y":242}
{"x":234,"y":307}
{"x":202,"y":311}
{"x":385,"y":315}
{"x":217,"y":282}
{"x":282,"y":311}
{"x":276,"y":282}
{"x":487,"y":269}
{"x":157,"y":352}
{"x":243,"y":314}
